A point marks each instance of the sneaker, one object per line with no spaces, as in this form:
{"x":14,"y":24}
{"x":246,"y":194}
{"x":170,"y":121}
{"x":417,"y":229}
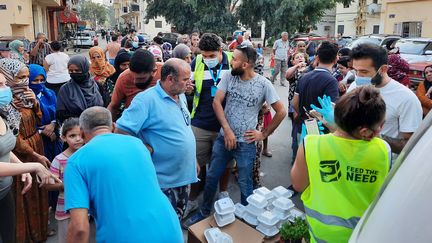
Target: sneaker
{"x":223,"y":194}
{"x":193,"y":220}
{"x":191,"y":206}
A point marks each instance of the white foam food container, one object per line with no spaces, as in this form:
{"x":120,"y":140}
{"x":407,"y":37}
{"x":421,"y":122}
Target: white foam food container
{"x":267,"y":231}
{"x":250,"y":218}
{"x":268,"y":218}
{"x":295,"y":213}
{"x":263,"y":191}
{"x":254,"y":210}
{"x":281,"y":191}
{"x":214,"y":235}
{"x":240,"y":210}
{"x":283,"y":203}
{"x":224,"y":206}
{"x":281,"y":214}
{"x":257,"y":200}
{"x":223,"y":220}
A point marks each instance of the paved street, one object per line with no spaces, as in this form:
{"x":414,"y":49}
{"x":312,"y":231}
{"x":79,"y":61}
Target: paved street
{"x":275,"y":171}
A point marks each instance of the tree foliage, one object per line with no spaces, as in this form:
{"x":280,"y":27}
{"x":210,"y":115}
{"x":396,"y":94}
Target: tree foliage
{"x":196,"y":15}
{"x":93,"y":12}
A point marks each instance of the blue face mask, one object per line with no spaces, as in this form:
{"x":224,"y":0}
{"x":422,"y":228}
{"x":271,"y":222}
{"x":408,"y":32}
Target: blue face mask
{"x":360,"y":81}
{"x":5,"y":96}
{"x":135,"y":44}
{"x":211,"y":62}
{"x":37,"y":88}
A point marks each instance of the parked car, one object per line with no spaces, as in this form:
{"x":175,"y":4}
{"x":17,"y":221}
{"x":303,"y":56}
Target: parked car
{"x":416,"y":74}
{"x":5,"y":40}
{"x":401,"y":211}
{"x":415,"y":49}
{"x":83,"y":39}
{"x":171,"y":38}
{"x":380,"y":40}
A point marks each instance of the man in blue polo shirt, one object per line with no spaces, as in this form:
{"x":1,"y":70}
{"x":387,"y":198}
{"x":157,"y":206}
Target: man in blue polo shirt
{"x":160,"y":118}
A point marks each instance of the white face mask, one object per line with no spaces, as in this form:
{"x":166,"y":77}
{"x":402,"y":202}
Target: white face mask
{"x":211,"y":62}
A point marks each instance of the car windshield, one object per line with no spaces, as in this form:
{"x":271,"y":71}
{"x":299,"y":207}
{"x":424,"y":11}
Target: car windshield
{"x":411,"y":47}
{"x":366,"y":40}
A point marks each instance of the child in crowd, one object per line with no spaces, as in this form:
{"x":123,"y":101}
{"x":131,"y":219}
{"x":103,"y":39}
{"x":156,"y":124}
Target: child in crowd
{"x":70,"y":134}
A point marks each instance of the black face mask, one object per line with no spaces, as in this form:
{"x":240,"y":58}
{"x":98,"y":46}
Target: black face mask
{"x":78,"y":77}
{"x":145,"y":84}
{"x":237,"y":72}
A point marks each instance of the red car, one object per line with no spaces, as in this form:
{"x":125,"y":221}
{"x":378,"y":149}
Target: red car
{"x":416,"y":74}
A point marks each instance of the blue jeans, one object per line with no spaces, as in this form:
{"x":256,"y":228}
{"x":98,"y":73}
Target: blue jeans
{"x":244,"y":155}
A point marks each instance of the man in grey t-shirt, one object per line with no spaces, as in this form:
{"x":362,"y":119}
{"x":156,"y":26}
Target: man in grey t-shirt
{"x":245,"y":93}
{"x":280,"y":53}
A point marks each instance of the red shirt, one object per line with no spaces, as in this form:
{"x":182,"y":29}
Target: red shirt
{"x":125,"y":88}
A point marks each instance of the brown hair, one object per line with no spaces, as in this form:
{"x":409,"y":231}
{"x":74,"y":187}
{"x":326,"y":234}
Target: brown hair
{"x":362,"y":107}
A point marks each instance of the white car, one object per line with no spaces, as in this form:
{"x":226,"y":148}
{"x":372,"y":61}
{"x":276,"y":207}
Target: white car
{"x":402,"y":210}
{"x":415,"y":50}
{"x":83,"y":39}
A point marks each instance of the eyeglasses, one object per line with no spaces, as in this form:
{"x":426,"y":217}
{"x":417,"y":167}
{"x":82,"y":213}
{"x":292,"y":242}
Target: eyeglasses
{"x":186,"y":116}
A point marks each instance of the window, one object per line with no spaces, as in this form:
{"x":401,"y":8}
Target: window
{"x":327,"y":28}
{"x":158,"y":24}
{"x":376,"y":29}
{"x":340,"y":29}
{"x":346,"y":5}
{"x":125,"y":10}
{"x":411,"y":29}
{"x":397,"y":29}
{"x":375,"y":1}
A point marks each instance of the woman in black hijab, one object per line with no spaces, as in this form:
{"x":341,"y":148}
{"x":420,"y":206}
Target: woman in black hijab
{"x":121,"y":63}
{"x":80,"y":93}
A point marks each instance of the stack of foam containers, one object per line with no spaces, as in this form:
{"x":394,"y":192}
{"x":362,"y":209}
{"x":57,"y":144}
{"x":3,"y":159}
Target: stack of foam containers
{"x":268,"y":224}
{"x":214,"y":235}
{"x":256,"y":206}
{"x":282,"y":207}
{"x":224,"y":214}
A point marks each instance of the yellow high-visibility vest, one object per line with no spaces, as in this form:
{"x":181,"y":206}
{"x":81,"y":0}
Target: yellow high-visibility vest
{"x":344,"y":177}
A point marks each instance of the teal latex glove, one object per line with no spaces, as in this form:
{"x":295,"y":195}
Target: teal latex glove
{"x":304,"y":132}
{"x":326,"y":110}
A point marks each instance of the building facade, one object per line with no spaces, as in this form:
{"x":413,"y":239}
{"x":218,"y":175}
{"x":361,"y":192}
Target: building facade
{"x":326,"y":27}
{"x":408,"y":18}
{"x":361,"y":17}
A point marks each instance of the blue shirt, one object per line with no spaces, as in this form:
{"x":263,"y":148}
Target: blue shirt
{"x":205,"y":117}
{"x":113,"y":176}
{"x":158,"y":120}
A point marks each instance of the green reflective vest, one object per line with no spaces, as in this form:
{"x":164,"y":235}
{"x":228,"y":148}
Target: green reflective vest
{"x":199,"y":77}
{"x":344,"y":177}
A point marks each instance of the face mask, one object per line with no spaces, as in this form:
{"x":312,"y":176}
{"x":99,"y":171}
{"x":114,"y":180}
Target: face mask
{"x":135,"y":44}
{"x":5,"y":96}
{"x":360,"y":81}
{"x":144,"y":85}
{"x":37,"y":88}
{"x":211,"y":62}
{"x":375,"y":80}
{"x":78,"y":77}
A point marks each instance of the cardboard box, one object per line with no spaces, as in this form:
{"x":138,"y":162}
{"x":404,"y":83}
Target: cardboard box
{"x":239,"y":231}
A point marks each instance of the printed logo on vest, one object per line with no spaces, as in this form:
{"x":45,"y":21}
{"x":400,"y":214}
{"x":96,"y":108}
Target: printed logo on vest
{"x":330,"y":171}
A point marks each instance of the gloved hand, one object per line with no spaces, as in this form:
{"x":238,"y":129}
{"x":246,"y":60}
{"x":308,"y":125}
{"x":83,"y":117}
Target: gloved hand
{"x":326,"y":110}
{"x":304,"y":131}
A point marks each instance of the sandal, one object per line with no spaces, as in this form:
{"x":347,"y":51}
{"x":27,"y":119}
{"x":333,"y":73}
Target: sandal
{"x":267,"y":154}
{"x":51,"y":232}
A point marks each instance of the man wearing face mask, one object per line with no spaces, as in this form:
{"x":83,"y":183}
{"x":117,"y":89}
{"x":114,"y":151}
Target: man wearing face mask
{"x":142,"y":74}
{"x":404,"y":112}
{"x":208,"y":69}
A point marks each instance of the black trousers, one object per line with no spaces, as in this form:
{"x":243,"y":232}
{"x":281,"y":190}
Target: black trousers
{"x":7,"y":218}
{"x":54,"y":87}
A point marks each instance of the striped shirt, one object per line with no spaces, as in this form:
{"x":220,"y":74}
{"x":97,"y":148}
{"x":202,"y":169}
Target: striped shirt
{"x":43,"y":51}
{"x":57,"y":168}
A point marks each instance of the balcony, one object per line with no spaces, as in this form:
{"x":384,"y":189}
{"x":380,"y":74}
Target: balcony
{"x":373,"y":9}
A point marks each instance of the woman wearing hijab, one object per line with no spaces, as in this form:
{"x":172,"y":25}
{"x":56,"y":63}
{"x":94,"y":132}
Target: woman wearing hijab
{"x":80,"y":93}
{"x":47,"y":100}
{"x":17,"y":51}
{"x":121,"y":63}
{"x":31,"y":208}
{"x":101,"y":70}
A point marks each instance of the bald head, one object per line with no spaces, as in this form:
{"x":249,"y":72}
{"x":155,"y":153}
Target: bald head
{"x":173,"y":67}
{"x":94,"y":118}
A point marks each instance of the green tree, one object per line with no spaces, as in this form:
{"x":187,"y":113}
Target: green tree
{"x":94,"y":12}
{"x":196,"y":15}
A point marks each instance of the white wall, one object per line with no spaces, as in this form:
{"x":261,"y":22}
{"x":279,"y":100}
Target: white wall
{"x":328,"y":20}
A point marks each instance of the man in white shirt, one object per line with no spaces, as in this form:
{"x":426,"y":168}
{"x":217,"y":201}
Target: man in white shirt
{"x":403,"y":109}
{"x":280,"y":53}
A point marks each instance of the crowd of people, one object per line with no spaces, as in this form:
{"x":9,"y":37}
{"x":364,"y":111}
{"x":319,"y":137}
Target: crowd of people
{"x":186,"y":118}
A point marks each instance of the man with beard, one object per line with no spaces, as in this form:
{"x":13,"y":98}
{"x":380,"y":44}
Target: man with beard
{"x":244,"y":92}
{"x":160,"y":118}
{"x":142,"y":74}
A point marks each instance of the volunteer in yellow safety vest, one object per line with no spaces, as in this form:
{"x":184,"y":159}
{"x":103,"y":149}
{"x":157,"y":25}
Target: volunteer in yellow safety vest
{"x":340,"y":173}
